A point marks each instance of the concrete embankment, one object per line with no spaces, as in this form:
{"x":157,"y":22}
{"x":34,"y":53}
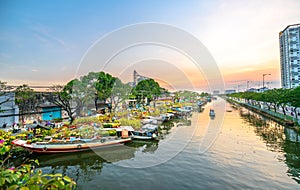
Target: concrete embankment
{"x":284,"y":122}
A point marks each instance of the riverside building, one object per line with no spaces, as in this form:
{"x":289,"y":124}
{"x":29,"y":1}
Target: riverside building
{"x":289,"y":40}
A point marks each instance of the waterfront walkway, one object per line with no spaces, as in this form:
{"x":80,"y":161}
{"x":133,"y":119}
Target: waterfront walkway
{"x":278,"y":114}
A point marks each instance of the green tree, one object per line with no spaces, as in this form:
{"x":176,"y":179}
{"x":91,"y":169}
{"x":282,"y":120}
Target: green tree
{"x":119,"y":93}
{"x":204,"y":94}
{"x":93,"y":87}
{"x":248,"y":96}
{"x":146,"y":89}
{"x":3,"y":91}
{"x":276,"y":98}
{"x":187,"y":95}
{"x":284,"y":98}
{"x":104,"y":86}
{"x":61,"y":96}
{"x":295,"y":99}
{"x":25,"y":99}
{"x":272,"y":98}
{"x":79,"y":95}
{"x":89,"y":82}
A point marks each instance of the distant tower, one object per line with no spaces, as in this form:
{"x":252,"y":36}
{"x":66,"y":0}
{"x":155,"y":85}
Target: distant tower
{"x":135,"y":78}
{"x":290,"y":56}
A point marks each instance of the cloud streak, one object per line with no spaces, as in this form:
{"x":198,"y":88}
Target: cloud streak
{"x":42,"y":33}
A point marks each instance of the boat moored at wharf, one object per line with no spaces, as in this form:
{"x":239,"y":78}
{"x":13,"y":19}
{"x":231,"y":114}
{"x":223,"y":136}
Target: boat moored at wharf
{"x":73,"y":144}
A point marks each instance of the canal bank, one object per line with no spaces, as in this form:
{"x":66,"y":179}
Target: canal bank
{"x":277,"y":117}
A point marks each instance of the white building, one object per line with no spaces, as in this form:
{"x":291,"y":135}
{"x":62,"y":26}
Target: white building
{"x":138,"y":78}
{"x":9,"y":112}
{"x":289,"y":40}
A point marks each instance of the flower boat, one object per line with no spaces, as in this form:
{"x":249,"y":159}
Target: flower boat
{"x":73,"y":144}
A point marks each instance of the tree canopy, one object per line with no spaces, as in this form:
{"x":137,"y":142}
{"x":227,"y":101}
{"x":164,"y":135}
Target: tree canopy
{"x":119,"y":93}
{"x":3,"y":89}
{"x":93,"y":87}
{"x":104,"y":85}
{"x":295,"y":97}
{"x":275,"y":97}
{"x":25,"y":98}
{"x":147,"y":89}
{"x":62,"y":97}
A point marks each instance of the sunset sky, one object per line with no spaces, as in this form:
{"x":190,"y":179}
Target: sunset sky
{"x":44,"y":42}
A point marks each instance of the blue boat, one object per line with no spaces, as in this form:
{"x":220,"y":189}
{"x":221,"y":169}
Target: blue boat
{"x":147,"y":132}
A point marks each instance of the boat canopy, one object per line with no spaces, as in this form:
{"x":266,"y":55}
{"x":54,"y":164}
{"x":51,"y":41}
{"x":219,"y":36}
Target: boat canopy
{"x":149,"y":127}
{"x":128,"y":128}
{"x":38,"y":126}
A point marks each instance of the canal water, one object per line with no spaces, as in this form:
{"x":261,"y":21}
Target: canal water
{"x":241,"y":150}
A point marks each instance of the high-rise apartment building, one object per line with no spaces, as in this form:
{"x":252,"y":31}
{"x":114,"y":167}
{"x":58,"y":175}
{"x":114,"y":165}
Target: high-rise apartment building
{"x":289,"y":40}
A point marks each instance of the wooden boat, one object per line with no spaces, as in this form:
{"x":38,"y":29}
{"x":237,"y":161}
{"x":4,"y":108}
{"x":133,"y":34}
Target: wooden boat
{"x":143,"y":135}
{"x":147,"y":132}
{"x":167,"y":116}
{"x":228,"y":108}
{"x":74,"y":144}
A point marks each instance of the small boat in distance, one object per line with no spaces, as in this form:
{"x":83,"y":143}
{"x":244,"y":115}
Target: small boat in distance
{"x":229,"y":110}
{"x":212,"y":113}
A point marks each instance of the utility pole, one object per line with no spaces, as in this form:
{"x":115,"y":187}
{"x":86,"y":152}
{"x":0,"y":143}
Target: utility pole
{"x":247,"y":85}
{"x":264,"y":80}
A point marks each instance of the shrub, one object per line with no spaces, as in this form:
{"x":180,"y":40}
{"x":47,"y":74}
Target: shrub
{"x":85,"y":120}
{"x":58,"y":120}
{"x":25,"y":176}
{"x":135,"y":123}
{"x":112,"y":132}
{"x":107,"y":125}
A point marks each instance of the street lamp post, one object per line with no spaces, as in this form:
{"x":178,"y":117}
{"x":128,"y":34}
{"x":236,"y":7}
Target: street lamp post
{"x":247,"y":85}
{"x":264,"y":80}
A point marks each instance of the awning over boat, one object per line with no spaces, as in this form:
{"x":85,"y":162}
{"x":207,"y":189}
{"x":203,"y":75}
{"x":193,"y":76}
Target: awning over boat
{"x":150,"y":127}
{"x":38,"y":126}
{"x":128,"y":128}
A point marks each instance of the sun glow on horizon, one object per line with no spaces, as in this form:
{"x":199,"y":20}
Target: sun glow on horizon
{"x":38,"y":49}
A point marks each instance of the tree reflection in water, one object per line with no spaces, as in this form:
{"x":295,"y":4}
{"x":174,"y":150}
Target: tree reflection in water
{"x":277,"y":138}
{"x":83,"y":166}
{"x":79,"y":166}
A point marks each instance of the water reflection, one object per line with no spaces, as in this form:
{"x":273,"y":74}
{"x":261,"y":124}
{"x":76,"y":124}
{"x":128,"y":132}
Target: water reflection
{"x":145,"y":146}
{"x":277,"y":138}
{"x":292,"y":135}
{"x":86,"y":165}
